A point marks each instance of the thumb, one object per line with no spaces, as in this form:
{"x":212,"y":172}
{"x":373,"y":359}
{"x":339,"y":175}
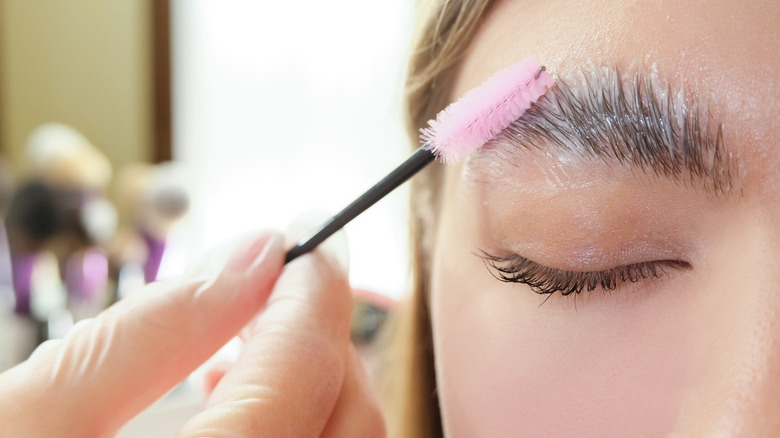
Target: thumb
{"x":111,"y":367}
{"x":290,"y":374}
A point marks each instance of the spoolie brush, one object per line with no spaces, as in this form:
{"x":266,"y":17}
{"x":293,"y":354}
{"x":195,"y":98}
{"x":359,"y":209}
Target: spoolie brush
{"x":458,"y":130}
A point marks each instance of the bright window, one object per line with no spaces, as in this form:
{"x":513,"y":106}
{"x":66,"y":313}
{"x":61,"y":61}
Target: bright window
{"x":283,"y":107}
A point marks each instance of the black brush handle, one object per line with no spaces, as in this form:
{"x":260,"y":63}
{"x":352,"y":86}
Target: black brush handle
{"x":406,"y":170}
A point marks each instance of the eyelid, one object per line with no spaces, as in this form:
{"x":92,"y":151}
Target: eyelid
{"x":514,"y":268}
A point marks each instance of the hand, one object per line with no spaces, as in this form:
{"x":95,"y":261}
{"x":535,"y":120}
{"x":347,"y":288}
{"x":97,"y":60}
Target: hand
{"x":297,"y":375}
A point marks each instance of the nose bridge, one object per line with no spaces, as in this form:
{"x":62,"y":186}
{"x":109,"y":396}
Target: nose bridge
{"x":740,"y":383}
{"x":756,"y":392}
{"x":736,"y":387}
{"x":753,"y":404}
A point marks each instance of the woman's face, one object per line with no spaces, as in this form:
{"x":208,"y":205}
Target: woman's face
{"x":688,"y":340}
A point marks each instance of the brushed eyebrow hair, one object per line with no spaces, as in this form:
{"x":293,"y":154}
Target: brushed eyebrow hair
{"x":597,"y":112}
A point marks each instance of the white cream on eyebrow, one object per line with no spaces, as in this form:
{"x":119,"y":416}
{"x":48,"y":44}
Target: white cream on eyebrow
{"x":540,"y":173}
{"x":626,"y":120}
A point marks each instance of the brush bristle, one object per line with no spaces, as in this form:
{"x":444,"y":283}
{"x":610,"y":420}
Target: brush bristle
{"x":467,"y":124}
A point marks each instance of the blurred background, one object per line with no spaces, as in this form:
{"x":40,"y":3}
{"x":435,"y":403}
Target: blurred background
{"x":136,"y":134}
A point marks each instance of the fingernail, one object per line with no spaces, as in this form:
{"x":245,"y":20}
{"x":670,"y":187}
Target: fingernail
{"x":336,"y":246}
{"x":304,"y":223}
{"x":254,"y":254}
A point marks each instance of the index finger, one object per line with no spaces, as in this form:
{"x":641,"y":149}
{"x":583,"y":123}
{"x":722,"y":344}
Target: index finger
{"x":289,"y":375}
{"x":111,"y":367}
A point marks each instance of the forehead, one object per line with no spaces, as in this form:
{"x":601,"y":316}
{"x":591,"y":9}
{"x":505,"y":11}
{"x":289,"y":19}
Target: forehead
{"x":729,"y":56}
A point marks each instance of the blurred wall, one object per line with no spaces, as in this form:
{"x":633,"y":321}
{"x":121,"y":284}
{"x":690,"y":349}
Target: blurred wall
{"x":81,"y":62}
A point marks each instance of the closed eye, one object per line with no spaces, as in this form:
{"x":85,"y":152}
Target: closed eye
{"x":545,"y":280}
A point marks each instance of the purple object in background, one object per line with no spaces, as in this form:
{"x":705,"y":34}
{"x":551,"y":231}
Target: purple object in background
{"x":156,"y":250}
{"x":7,"y":299}
{"x":86,"y":275}
{"x":23,"y":265}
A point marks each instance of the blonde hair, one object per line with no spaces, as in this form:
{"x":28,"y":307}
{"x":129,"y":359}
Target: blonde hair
{"x":445,"y":31}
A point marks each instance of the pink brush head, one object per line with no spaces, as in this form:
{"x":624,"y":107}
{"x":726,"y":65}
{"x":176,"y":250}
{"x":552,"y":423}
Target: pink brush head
{"x":457,"y":131}
{"x":467,"y":124}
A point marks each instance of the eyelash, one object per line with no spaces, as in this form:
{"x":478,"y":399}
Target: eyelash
{"x":546,"y":281}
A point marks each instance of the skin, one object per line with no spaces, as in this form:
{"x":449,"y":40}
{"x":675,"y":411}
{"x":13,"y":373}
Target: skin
{"x":298,"y":374}
{"x":693,"y":353}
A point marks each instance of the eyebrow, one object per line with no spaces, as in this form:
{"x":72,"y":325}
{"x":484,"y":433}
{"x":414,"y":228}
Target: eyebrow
{"x":599,"y":113}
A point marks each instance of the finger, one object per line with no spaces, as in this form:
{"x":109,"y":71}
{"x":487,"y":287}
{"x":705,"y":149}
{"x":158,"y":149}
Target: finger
{"x":289,"y":375}
{"x":307,"y":223}
{"x":214,"y":375}
{"x":108,"y":369}
{"x":357,"y":412}
{"x":301,"y":226}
